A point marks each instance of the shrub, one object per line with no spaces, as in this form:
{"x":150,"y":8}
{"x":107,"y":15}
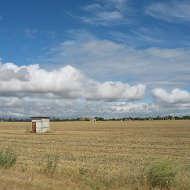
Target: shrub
{"x":160,"y":173}
{"x":7,"y":158}
{"x":51,"y":162}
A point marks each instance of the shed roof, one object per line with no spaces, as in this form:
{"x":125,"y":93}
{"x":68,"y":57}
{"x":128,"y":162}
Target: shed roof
{"x":40,"y":117}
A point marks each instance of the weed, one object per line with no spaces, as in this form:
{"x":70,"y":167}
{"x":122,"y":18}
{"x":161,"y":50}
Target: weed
{"x":51,"y":164}
{"x":82,"y":171}
{"x":160,"y":173}
{"x":7,"y":158}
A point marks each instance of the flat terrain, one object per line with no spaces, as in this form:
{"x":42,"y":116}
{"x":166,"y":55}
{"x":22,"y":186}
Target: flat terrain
{"x":94,"y":155}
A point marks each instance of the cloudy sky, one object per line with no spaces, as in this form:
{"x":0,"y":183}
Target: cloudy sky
{"x":109,"y":58}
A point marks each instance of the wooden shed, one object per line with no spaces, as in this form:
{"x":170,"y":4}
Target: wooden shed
{"x":40,"y":124}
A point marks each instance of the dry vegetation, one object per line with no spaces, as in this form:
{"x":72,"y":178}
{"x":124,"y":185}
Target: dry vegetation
{"x":94,"y":155}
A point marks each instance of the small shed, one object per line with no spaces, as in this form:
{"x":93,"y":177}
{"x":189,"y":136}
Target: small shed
{"x":40,"y":124}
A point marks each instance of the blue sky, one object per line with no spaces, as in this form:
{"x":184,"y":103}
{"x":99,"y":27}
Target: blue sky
{"x":110,"y":58}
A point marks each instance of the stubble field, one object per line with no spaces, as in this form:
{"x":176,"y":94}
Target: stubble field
{"x":94,"y":155}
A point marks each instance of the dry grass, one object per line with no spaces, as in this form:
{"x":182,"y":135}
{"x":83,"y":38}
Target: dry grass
{"x":94,"y":155}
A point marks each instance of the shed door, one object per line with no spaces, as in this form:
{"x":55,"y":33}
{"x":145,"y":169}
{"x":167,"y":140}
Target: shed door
{"x":34,"y":127}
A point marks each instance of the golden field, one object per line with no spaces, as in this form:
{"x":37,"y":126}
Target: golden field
{"x":94,"y":155}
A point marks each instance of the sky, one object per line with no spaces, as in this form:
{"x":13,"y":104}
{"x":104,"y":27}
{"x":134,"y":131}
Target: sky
{"x":87,"y":58}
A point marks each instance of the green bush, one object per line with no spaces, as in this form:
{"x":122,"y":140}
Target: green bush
{"x":51,"y":162}
{"x":7,"y":158}
{"x":160,"y":173}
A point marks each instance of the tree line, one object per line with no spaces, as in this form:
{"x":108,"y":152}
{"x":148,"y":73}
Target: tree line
{"x":169,"y":117}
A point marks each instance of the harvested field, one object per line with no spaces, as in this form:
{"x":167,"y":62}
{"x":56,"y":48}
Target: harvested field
{"x":94,"y":155}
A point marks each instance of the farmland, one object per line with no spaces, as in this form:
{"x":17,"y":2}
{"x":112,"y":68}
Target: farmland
{"x":94,"y":155}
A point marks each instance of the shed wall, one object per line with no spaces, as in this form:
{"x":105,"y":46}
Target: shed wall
{"x":42,"y":125}
{"x":45,"y":125}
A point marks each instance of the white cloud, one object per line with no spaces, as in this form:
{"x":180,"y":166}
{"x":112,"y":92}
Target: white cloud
{"x":167,"y":53}
{"x":10,"y":70}
{"x":170,"y":11}
{"x":9,"y":102}
{"x":106,"y":13}
{"x":34,"y":106}
{"x":67,"y":107}
{"x":176,"y":96}
{"x":114,"y":90}
{"x":105,"y":59}
{"x":99,"y":69}
{"x":174,"y":102}
{"x":130,"y":107}
{"x":65,"y":82}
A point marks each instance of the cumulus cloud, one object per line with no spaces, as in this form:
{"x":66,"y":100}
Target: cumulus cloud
{"x":12,"y":71}
{"x":114,"y":90}
{"x":26,"y":106}
{"x":34,"y":106}
{"x":105,"y":59}
{"x":65,"y":82}
{"x":176,"y":96}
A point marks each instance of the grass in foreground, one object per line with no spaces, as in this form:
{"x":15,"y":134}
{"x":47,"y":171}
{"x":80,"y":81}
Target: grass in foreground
{"x":7,"y":158}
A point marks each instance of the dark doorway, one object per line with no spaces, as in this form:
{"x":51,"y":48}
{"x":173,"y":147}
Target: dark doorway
{"x":34,"y":127}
